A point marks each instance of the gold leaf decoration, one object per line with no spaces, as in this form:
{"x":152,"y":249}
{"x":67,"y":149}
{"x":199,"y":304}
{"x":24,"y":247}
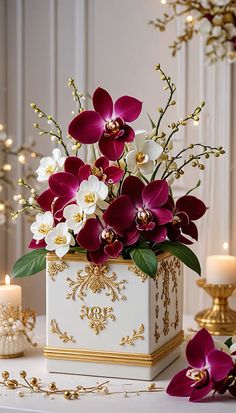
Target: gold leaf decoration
{"x":55,"y":267}
{"x":138,"y":272}
{"x":55,"y":329}
{"x":137,"y":335}
{"x":97,"y":317}
{"x":96,"y":279}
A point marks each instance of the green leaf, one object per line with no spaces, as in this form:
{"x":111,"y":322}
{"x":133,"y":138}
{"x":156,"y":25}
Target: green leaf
{"x":183,"y":253}
{"x":151,"y":121}
{"x":229,"y":342}
{"x":30,"y":264}
{"x":145,"y":259}
{"x":77,"y":249}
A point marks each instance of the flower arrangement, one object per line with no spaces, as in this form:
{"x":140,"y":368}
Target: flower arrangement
{"x":123,"y":203}
{"x":212,"y":367}
{"x":215,"y":19}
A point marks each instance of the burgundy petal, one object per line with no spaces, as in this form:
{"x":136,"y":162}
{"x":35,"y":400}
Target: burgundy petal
{"x":133,"y":187}
{"x":63,"y":184}
{"x":184,"y":240}
{"x":180,"y":385}
{"x":191,"y":230}
{"x":173,"y":232}
{"x":113,"y":174}
{"x":87,"y":127}
{"x":89,"y":236}
{"x":128,"y":135}
{"x":193,"y":206}
{"x":163,"y":215}
{"x":102,"y":162}
{"x":46,"y":199}
{"x":120,"y":213}
{"x":155,"y":194}
{"x":158,"y":234}
{"x":198,"y":348}
{"x":37,"y":244}
{"x":170,"y":203}
{"x":73,"y":164}
{"x":128,"y":108}
{"x":111,"y":148}
{"x":103,"y":103}
{"x":199,"y":392}
{"x":130,"y":236}
{"x":84,"y":173}
{"x":58,"y":207}
{"x":98,"y":257}
{"x":220,"y":364}
{"x":113,"y":250}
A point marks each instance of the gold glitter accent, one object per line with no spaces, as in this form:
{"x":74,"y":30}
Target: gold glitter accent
{"x":96,"y":279}
{"x":55,"y":329}
{"x":97,"y":317}
{"x":138,"y":272}
{"x":137,"y":335}
{"x":55,"y":267}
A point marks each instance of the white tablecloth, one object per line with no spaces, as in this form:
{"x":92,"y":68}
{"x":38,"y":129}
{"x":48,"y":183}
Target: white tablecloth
{"x":34,"y":363}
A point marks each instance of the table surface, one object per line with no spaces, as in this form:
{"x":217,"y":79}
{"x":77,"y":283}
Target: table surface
{"x":34,"y":363}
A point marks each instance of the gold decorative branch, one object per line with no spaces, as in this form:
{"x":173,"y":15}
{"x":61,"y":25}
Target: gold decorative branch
{"x":137,"y":335}
{"x":62,"y":335}
{"x":55,"y":267}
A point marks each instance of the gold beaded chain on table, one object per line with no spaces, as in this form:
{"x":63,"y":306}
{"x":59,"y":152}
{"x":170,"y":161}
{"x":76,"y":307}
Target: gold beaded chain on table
{"x":34,"y":385}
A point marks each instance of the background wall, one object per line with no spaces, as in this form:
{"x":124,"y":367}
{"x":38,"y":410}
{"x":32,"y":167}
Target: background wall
{"x":109,"y":43}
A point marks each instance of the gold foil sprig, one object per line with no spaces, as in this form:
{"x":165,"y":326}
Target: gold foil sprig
{"x":137,"y":335}
{"x":55,"y":329}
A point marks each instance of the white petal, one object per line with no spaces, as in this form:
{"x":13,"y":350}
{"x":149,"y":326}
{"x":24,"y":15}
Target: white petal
{"x":152,"y":149}
{"x":72,"y":241}
{"x":131,"y":160}
{"x":205,"y":26}
{"x":34,"y":227}
{"x":89,"y":210}
{"x":62,"y":250}
{"x":56,"y":154}
{"x":70,"y":211}
{"x":102,"y":191}
{"x":48,"y":218}
{"x":233,"y":348}
{"x":147,"y":168}
{"x":62,"y":228}
{"x":94,"y":183}
{"x":61,"y":162}
{"x":140,"y":139}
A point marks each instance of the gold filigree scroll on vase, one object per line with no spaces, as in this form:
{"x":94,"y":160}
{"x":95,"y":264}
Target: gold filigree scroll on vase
{"x":111,"y":319}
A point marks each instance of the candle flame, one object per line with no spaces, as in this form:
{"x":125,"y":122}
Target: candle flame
{"x":7,"y":280}
{"x":225,"y":245}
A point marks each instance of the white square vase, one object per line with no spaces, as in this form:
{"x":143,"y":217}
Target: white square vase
{"x":112,"y":320}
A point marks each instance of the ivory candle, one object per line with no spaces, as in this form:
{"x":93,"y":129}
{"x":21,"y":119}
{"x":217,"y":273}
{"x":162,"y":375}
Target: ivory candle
{"x":10,"y":293}
{"x":221,"y":269}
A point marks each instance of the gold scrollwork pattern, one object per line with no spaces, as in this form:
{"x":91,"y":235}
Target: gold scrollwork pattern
{"x":97,"y":317}
{"x":137,"y":335}
{"x":157,"y":311}
{"x":138,"y":272}
{"x":96,"y":279}
{"x":175,"y":273}
{"x":55,"y":329}
{"x":55,"y":267}
{"x":163,"y":272}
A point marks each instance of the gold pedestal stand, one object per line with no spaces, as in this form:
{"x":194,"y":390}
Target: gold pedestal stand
{"x":220,"y":319}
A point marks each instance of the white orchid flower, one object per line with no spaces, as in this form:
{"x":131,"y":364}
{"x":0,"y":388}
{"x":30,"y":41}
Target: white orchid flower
{"x":59,"y":240}
{"x":91,"y":192}
{"x":205,"y":26}
{"x":42,"y":226}
{"x":49,"y":165}
{"x":75,"y":217}
{"x":144,"y":154}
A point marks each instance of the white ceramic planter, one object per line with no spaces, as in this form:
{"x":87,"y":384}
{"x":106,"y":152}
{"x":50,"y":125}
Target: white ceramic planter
{"x":112,"y":320}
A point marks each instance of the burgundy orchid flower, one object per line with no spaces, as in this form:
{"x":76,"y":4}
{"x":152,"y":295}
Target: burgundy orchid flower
{"x":102,"y":170}
{"x":107,"y":123}
{"x":187,"y":209}
{"x":207,"y":367}
{"x":102,"y":241}
{"x":141,"y":208}
{"x":37,"y":244}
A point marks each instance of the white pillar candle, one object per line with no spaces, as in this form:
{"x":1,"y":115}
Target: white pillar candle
{"x":10,"y":293}
{"x":221,"y":269}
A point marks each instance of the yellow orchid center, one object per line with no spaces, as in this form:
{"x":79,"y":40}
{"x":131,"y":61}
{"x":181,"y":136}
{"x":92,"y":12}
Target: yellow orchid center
{"x":98,"y":172}
{"x":78,"y":217}
{"x":49,"y":170}
{"x":196,"y":374}
{"x":112,"y":126}
{"x":89,"y":198}
{"x":44,"y":229}
{"x":141,"y":157}
{"x":60,"y":240}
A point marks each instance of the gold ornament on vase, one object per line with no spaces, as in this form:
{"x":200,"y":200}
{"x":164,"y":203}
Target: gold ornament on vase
{"x":220,"y":319}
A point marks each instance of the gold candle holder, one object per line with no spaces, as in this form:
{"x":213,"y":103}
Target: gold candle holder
{"x":220,"y":319}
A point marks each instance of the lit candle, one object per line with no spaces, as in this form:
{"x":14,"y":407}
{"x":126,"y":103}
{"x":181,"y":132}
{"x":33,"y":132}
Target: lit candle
{"x":10,"y":294}
{"x":221,"y":269}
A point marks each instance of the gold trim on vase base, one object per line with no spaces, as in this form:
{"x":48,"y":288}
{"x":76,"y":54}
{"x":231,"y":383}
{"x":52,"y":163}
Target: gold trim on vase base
{"x":220,"y":319}
{"x":113,"y":357}
{"x":11,"y":356}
